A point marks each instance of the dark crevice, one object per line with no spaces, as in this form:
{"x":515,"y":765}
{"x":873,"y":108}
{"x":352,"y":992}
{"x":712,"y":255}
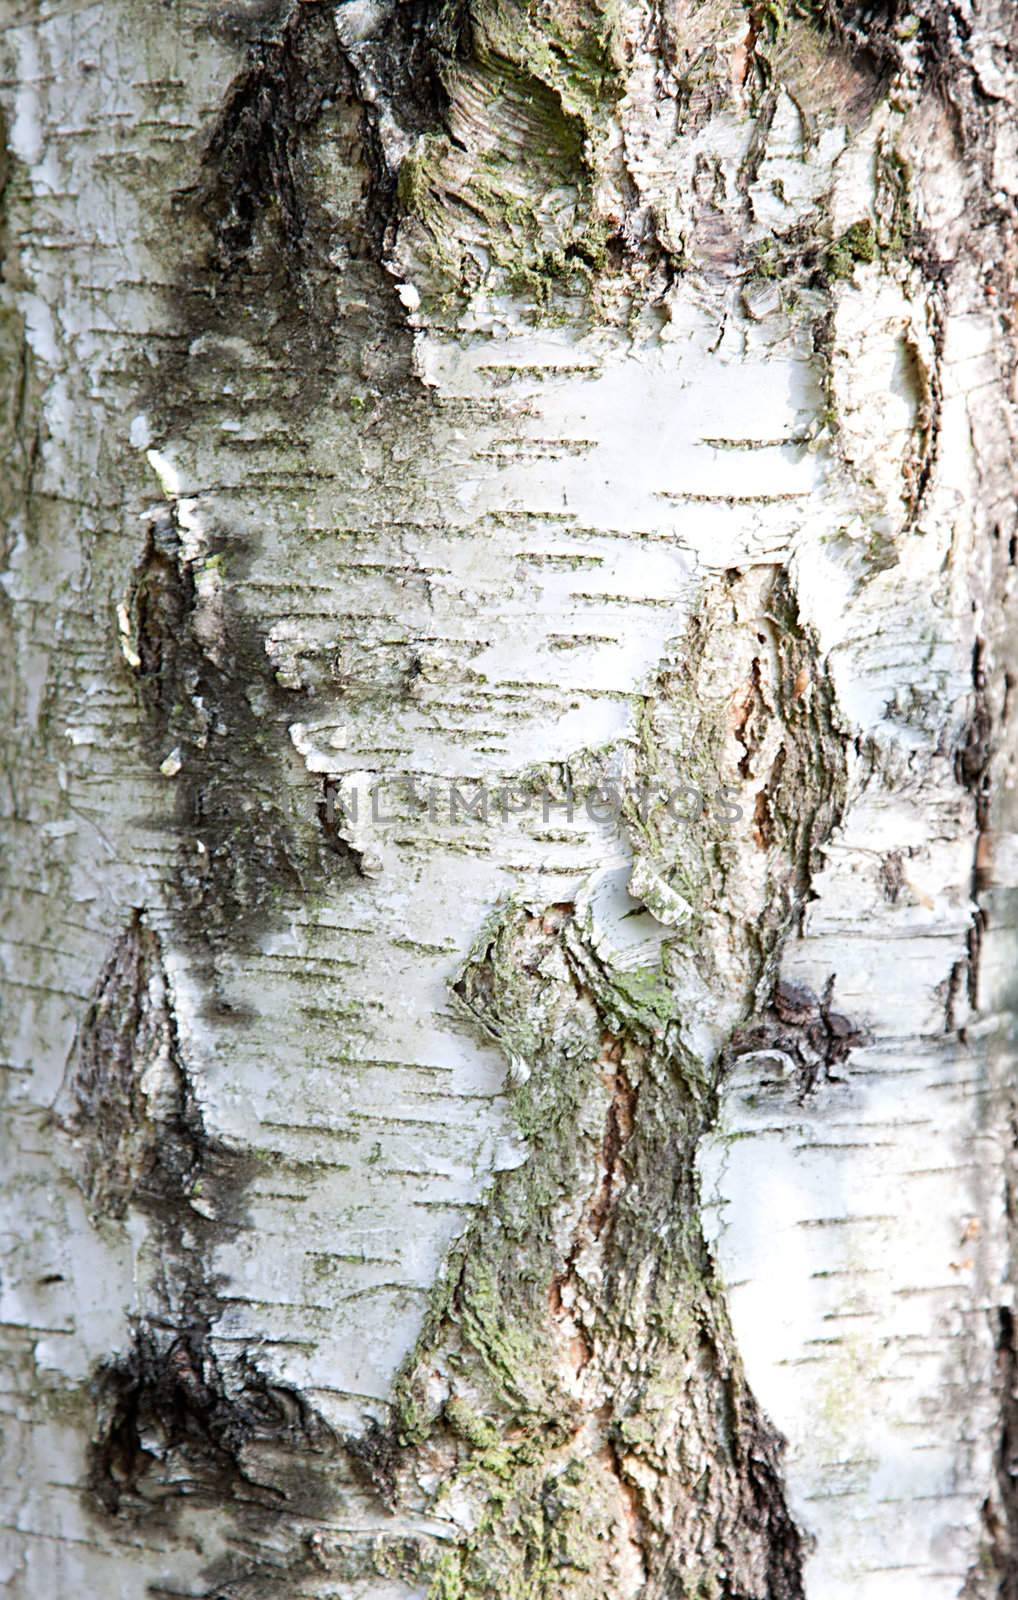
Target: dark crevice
{"x":973,"y":769}
{"x":875,"y":32}
{"x":973,"y":758}
{"x":296,"y":66}
{"x":1000,"y":1512}
{"x":174,"y":1425}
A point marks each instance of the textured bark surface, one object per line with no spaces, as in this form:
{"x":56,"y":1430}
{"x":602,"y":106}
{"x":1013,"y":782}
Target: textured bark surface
{"x":569,"y":1195}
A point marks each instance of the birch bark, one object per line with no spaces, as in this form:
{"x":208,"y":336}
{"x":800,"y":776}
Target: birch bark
{"x":444,"y":1159}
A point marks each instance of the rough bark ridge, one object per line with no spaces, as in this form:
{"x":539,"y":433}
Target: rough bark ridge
{"x":576,"y":1399}
{"x":574,"y":402}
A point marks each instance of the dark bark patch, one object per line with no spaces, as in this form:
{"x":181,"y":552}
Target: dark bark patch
{"x":800,"y":1028}
{"x":1007,"y":1455}
{"x":174,"y":1425}
{"x":253,"y":157}
{"x":127,"y":1095}
{"x":760,"y":1448}
{"x":163,"y":601}
{"x":268,"y":250}
{"x":973,"y":758}
{"x":892,"y":876}
{"x":996,"y":1572}
{"x":175,"y":1421}
{"x":207,"y":686}
{"x":876,"y":32}
{"x":131,"y":1105}
{"x":374,"y":1455}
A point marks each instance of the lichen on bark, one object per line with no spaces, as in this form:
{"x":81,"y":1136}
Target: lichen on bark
{"x":562,"y":1407}
{"x":575,"y":1405}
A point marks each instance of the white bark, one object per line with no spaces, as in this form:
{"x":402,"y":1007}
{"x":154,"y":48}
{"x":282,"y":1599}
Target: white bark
{"x":726,"y":500}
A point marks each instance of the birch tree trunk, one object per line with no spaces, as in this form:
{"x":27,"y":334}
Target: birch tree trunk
{"x":511,"y":826}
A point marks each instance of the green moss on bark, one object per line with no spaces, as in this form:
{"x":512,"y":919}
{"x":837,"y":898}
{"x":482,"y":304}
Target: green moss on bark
{"x":561,"y":1407}
{"x":502,"y":193}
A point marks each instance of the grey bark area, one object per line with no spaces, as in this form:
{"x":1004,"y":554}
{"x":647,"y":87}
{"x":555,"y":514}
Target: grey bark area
{"x":570,"y":1196}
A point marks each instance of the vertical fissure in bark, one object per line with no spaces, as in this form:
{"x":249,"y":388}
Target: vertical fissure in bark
{"x":1003,"y":1527}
